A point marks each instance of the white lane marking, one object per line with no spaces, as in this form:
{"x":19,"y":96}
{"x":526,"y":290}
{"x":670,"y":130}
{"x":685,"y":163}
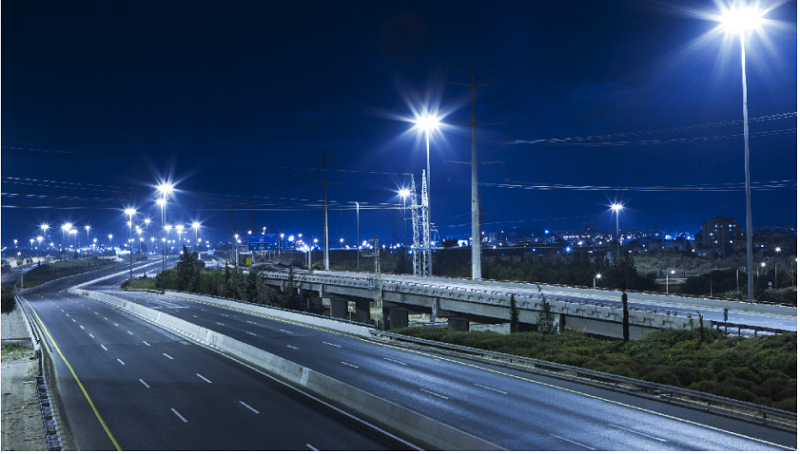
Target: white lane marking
{"x":218,"y":323}
{"x":249,"y":407}
{"x":167,"y":356}
{"x":115,"y":324}
{"x":91,"y":335}
{"x":395,"y":361}
{"x":490,"y":389}
{"x":194,"y":316}
{"x":638,"y":433}
{"x":252,"y":323}
{"x":178,"y":415}
{"x":433,"y":393}
{"x":284,"y":331}
{"x":332,"y":345}
{"x":104,"y":347}
{"x":350,"y":365}
{"x":96,"y":313}
{"x":145,"y":384}
{"x":225,"y":315}
{"x":130,"y":333}
{"x":105,"y":318}
{"x":311,"y":448}
{"x":62,"y":310}
{"x":291,"y":346}
{"x":252,"y":334}
{"x":574,"y":442}
{"x":74,"y":320}
{"x":120,"y":361}
{"x":82,"y":327}
{"x":145,"y":343}
{"x":204,"y":378}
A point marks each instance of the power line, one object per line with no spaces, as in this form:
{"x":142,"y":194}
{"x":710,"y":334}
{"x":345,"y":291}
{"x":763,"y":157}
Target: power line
{"x":578,"y":140}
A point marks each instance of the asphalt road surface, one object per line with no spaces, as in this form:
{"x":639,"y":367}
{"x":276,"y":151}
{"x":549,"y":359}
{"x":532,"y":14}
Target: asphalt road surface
{"x":125,"y":384}
{"x":516,"y":410}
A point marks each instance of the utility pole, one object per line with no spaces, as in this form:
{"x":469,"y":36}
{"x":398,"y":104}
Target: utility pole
{"x":233,"y":236}
{"x":324,"y":183}
{"x":476,"y":226}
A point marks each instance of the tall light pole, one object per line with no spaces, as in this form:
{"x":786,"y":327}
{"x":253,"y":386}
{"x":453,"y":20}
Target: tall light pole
{"x":777,"y":250}
{"x":130,"y":212}
{"x":195,"y":226}
{"x":165,"y":189}
{"x":163,"y":203}
{"x":358,"y":245}
{"x":617,"y":208}
{"x":741,"y":20}
{"x":671,"y":272}
{"x":427,"y":124}
{"x":64,"y":229}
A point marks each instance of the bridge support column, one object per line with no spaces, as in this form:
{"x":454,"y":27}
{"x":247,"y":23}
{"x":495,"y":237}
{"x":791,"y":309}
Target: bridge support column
{"x":338,"y":307}
{"x":458,"y":324}
{"x":362,"y":311}
{"x":434,"y":309}
{"x":394,"y":317}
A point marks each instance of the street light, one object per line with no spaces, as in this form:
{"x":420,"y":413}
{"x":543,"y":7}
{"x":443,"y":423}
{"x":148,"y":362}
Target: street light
{"x":594,"y":281}
{"x":617,"y":207}
{"x":777,"y":250}
{"x":427,"y":124}
{"x":195,"y":226}
{"x":741,"y":20}
{"x":64,"y":229}
{"x":166,"y":189}
{"x":671,"y":272}
{"x":130,"y":212}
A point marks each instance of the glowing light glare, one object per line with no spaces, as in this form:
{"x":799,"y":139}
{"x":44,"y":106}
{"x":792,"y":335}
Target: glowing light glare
{"x":741,"y":19}
{"x":616,"y":207}
{"x":130,"y":211}
{"x":404,"y":193}
{"x":196,"y":225}
{"x":427,"y":122}
{"x":67,"y":227}
{"x":165,"y":188}
{"x":161,"y":202}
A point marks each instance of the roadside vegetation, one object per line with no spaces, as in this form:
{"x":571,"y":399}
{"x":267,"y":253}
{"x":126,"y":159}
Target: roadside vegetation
{"x":761,"y":370}
{"x":7,"y":299}
{"x":15,"y":353}
{"x":190,"y":275}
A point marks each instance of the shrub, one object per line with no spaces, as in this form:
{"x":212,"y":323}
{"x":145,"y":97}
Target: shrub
{"x":8,"y":303}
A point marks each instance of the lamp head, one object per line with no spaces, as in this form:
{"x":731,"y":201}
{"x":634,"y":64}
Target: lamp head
{"x":427,"y":123}
{"x":66,"y":227}
{"x":130,"y":211}
{"x":165,"y":188}
{"x":616,"y":207}
{"x":740,"y":19}
{"x":196,"y":225}
{"x":161,"y":202}
{"x":404,"y":193}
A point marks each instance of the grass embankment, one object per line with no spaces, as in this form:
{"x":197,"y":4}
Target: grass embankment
{"x":15,"y":352}
{"x":761,"y":370}
{"x":54,"y":270}
{"x":141,"y":283}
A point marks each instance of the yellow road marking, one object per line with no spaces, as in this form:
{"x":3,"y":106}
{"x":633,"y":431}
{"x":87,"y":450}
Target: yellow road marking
{"x":500,"y":373}
{"x":74,"y":375}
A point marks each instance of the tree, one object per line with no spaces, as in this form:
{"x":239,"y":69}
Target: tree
{"x":289,"y":297}
{"x":186,"y":270}
{"x":449,"y":242}
{"x":545,"y":320}
{"x":514,"y":315}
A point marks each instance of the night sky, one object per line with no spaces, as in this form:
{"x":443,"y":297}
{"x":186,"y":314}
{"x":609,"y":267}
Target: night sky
{"x":238,"y":101}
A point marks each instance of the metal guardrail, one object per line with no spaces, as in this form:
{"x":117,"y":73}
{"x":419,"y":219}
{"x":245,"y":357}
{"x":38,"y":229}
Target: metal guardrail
{"x":665,"y":391}
{"x":740,"y":327}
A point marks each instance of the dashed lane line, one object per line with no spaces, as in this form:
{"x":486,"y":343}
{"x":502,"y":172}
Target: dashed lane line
{"x":120,"y":361}
{"x":145,"y":384}
{"x":204,"y":378}
{"x":574,"y":442}
{"x":249,"y":407}
{"x":167,"y":356}
{"x":178,"y":415}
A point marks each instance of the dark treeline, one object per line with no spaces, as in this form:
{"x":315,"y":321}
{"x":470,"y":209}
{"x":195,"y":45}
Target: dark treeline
{"x":190,"y":275}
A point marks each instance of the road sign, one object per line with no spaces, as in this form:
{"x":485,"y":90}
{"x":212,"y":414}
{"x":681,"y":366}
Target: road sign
{"x":287,"y":245}
{"x":261,"y":238}
{"x":261,"y":247}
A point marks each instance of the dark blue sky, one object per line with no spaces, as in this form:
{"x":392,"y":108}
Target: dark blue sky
{"x":237,"y":101}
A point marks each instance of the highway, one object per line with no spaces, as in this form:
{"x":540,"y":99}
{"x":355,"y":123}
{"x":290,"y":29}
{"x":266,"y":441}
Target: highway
{"x":516,"y":410}
{"x":125,"y":384}
{"x":641,"y":300}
